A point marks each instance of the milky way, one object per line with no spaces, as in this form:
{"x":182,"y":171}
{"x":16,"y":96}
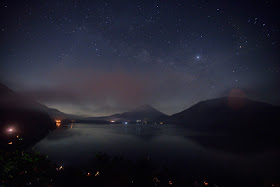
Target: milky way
{"x":101,"y":57}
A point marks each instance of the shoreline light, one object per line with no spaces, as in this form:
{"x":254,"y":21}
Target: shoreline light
{"x":58,"y":122}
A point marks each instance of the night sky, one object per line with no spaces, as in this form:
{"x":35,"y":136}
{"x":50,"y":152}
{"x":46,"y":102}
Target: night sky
{"x":101,"y":57}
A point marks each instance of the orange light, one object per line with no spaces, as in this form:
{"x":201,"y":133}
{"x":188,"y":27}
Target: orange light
{"x":60,"y":168}
{"x":10,"y":143}
{"x":97,"y":174}
{"x":88,"y":174}
{"x":17,"y":136}
{"x":205,"y":183}
{"x":58,"y":122}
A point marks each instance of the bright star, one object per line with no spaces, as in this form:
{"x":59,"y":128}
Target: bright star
{"x":197,"y":57}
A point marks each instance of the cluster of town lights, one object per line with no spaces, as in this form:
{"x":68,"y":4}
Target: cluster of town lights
{"x":58,"y":122}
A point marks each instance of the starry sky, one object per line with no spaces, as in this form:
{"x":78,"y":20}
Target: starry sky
{"x":95,"y":58}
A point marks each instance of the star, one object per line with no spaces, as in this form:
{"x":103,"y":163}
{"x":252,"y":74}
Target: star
{"x":149,"y":37}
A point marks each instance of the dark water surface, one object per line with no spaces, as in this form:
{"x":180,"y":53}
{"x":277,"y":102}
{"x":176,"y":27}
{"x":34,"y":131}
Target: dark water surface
{"x":165,"y":145}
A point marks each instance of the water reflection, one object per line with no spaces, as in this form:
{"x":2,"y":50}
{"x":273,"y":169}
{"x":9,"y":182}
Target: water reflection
{"x":77,"y":144}
{"x":138,"y":130}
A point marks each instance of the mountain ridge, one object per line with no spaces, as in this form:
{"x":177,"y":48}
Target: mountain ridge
{"x":11,"y":99}
{"x":142,"y":112}
{"x":236,"y":112}
{"x":228,"y":113}
{"x":26,"y":118}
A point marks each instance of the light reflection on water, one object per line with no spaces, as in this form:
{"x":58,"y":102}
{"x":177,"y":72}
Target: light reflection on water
{"x":77,"y":145}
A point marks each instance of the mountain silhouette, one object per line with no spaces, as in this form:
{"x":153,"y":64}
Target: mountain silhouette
{"x":10,"y":99}
{"x":143,"y":113}
{"x":230,"y":114}
{"x":28,"y":119}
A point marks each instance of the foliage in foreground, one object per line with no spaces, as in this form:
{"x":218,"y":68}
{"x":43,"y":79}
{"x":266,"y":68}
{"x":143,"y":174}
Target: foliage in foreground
{"x":18,"y":168}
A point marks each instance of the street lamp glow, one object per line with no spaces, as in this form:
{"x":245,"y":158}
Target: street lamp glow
{"x":10,"y":130}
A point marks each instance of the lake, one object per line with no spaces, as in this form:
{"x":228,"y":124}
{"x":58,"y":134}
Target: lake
{"x":175,"y":147}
